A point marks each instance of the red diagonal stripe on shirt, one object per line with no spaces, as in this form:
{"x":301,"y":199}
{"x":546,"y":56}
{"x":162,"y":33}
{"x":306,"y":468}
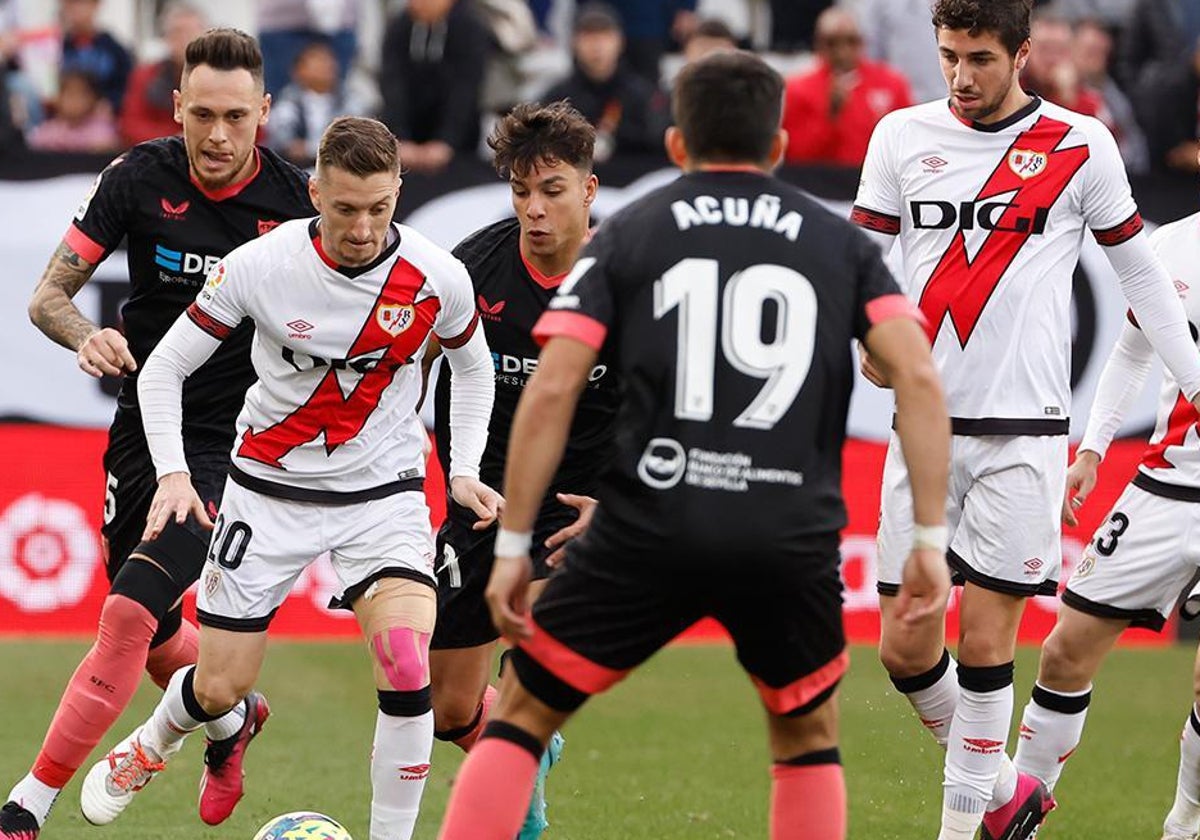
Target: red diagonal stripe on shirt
{"x":961,"y":286}
{"x":1183,"y":417}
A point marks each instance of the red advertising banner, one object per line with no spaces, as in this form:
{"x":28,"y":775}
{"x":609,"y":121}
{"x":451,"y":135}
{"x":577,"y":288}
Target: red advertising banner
{"x":52,"y":575}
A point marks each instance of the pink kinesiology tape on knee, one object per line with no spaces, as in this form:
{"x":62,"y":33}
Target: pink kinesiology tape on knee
{"x":403,"y":654}
{"x":99,"y":690}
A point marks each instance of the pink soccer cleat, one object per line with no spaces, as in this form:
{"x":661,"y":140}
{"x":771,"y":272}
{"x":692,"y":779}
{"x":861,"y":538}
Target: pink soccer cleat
{"x":1020,"y":817}
{"x":221,"y":784}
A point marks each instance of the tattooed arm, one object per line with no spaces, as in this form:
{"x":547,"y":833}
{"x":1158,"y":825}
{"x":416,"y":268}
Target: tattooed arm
{"x":98,"y":351}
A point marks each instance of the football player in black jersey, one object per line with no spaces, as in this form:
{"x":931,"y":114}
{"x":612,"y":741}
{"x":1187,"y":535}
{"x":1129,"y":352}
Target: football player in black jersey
{"x":181,"y":204}
{"x":516,"y":265}
{"x":728,"y":302}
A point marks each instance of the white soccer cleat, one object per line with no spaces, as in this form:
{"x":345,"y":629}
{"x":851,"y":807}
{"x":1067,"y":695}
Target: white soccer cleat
{"x":110,"y":785}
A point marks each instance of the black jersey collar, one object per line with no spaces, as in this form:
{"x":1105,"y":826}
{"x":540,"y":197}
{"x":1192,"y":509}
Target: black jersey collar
{"x":314,"y":234}
{"x":1012,"y":119}
{"x":229,"y":190}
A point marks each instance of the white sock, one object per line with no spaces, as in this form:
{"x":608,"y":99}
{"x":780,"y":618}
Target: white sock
{"x":959,"y":820}
{"x":1006,"y":784}
{"x":1051,"y":727}
{"x":933,"y":695}
{"x":227,"y":725}
{"x":173,"y":719}
{"x":399,"y":769}
{"x":34,"y":796}
{"x":1184,"y":816}
{"x":975,"y":751}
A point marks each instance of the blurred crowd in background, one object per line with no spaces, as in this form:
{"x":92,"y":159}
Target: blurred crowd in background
{"x":80,"y":76}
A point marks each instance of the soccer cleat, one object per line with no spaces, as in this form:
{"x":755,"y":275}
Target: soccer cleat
{"x":1167,"y":836}
{"x":110,"y":785}
{"x":221,"y":784}
{"x":16,"y":823}
{"x":535,"y":820}
{"x":1020,"y":817}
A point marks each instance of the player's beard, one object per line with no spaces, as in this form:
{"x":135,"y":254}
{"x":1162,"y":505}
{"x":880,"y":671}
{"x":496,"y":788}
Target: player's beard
{"x":239,"y":164}
{"x":986,"y":108}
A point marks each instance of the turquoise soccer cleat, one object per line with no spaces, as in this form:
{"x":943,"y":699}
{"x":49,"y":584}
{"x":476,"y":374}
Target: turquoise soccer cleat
{"x":535,"y":820}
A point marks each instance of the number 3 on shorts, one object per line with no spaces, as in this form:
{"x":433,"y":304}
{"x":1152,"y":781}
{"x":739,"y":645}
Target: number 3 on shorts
{"x":229,"y":542}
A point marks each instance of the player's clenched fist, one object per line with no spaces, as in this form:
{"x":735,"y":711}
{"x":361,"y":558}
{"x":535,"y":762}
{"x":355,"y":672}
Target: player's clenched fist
{"x":175,"y":498}
{"x":105,"y":352}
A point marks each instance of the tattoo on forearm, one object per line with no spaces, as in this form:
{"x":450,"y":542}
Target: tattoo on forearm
{"x":52,"y":309}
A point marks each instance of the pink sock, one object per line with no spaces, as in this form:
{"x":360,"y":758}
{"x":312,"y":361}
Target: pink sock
{"x":177,"y":652}
{"x":808,"y":802}
{"x":467,"y":741}
{"x":99,"y":690}
{"x":491,"y":793}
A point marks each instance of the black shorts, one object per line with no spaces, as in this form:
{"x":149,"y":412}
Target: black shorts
{"x":464,"y":564}
{"x":129,"y":487}
{"x":608,"y":611}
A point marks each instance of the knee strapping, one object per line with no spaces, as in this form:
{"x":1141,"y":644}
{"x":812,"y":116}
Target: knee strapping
{"x":144,"y":582}
{"x":398,"y":616}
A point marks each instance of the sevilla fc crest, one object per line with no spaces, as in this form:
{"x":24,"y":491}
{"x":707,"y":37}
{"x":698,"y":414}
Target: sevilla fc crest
{"x":393,"y":318}
{"x":1026,"y":164}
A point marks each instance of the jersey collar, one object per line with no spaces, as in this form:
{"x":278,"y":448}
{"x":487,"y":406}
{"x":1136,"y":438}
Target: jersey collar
{"x":1011,"y":120}
{"x":546,"y":281}
{"x":314,"y":234}
{"x":229,"y":190}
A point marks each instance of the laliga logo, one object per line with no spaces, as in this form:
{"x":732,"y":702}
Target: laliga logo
{"x":662,"y":464}
{"x":48,"y":553}
{"x":393,"y":318}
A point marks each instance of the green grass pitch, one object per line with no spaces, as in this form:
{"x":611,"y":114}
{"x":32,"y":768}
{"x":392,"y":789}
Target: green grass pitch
{"x":677,"y":751}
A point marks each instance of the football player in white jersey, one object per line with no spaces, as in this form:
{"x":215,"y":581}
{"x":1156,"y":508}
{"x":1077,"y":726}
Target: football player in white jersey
{"x":329,"y":457}
{"x":1140,"y":557}
{"x":989,"y":193}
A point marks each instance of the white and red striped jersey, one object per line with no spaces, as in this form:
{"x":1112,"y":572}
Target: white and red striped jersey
{"x":1173,"y":455}
{"x":991,"y":220}
{"x":337,"y":351}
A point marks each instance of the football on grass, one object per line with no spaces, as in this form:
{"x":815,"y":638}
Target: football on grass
{"x":302,"y":825}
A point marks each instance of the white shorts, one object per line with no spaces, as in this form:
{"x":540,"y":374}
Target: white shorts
{"x":1139,"y":560}
{"x":1002,"y":508}
{"x":261,"y":545}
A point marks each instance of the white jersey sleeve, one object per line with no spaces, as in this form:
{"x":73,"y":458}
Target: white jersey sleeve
{"x":220,"y":305}
{"x":1107,"y":200}
{"x":457,"y":318}
{"x":1120,"y":383}
{"x":878,"y":202}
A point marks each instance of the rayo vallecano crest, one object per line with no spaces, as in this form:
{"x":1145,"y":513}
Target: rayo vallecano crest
{"x":1026,"y":164}
{"x":394,"y":318}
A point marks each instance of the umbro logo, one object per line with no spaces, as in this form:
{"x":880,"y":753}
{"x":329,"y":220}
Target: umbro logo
{"x":934,"y":164}
{"x":982,"y":746}
{"x":1033,"y":565}
{"x":174,"y":211}
{"x":414,"y":773}
{"x":1027,"y":733}
{"x":491,"y":311}
{"x":1181,"y":287}
{"x":300,"y":329}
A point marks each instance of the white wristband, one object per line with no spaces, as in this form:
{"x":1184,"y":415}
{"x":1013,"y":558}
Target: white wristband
{"x":513,"y":543}
{"x":932,"y":537}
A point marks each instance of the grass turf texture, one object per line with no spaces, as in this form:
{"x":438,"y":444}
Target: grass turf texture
{"x":677,"y":751}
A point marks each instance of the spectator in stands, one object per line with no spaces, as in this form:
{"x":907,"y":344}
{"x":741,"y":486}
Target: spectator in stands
{"x":1092,"y":51}
{"x":23,"y":103}
{"x":1167,"y":108}
{"x":303,"y":109}
{"x":286,"y":26}
{"x":1051,"y":72}
{"x":11,"y":138}
{"x":149,"y":109}
{"x":87,"y":48}
{"x":83,"y":120}
{"x":831,"y":110}
{"x":794,"y":22}
{"x":431,"y":71}
{"x":649,"y":26}
{"x":1158,"y":34}
{"x":630,"y":114}
{"x":710,"y":35}
{"x":897,"y":33}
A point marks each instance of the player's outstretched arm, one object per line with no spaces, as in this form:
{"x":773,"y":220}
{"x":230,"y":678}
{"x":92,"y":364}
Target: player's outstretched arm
{"x":1120,"y":383}
{"x":53,"y":311}
{"x":535,"y":448}
{"x":160,"y":393}
{"x":901,"y":351}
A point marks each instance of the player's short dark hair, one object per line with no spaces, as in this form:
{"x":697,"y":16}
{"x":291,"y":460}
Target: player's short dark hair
{"x":728,"y":106}
{"x":224,"y":49}
{"x":531,"y":134}
{"x":714,"y":28}
{"x":358,"y":145}
{"x":1008,"y":19}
